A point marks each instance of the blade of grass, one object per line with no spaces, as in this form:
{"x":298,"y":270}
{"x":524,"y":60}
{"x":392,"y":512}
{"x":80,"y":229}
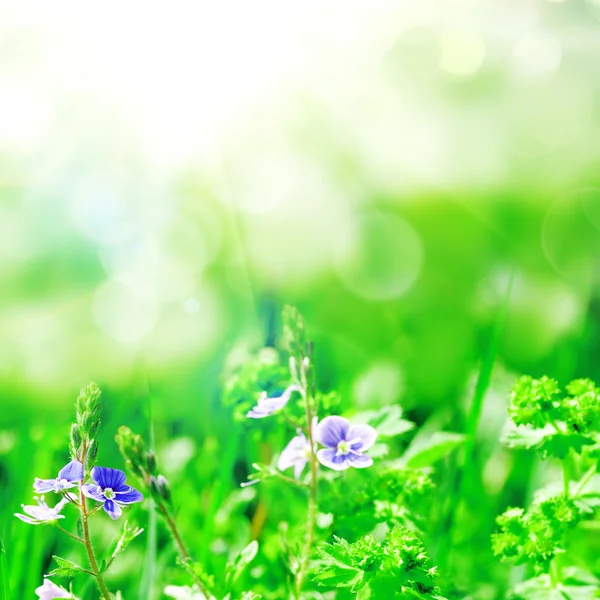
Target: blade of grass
{"x":148,"y":577}
{"x":4,"y":584}
{"x":465,"y":478}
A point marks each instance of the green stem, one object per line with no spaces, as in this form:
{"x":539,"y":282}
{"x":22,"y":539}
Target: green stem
{"x":181,"y":549}
{"x":76,"y":538}
{"x":585,"y":479}
{"x":566,"y":478}
{"x":311,"y":514}
{"x":554,"y":573}
{"x":88,"y":546}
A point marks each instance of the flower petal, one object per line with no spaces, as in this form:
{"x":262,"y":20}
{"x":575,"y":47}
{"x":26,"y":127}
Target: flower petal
{"x":332,"y":430}
{"x":71,"y":472}
{"x":27,"y":519}
{"x":106,"y":477}
{"x":128,"y":497}
{"x":329,"y":457}
{"x":112,"y":509}
{"x":42,"y":486}
{"x":50,"y":591}
{"x":360,"y":461}
{"x":365,"y":434}
{"x":295,"y":454}
{"x":91,"y":491}
{"x":266,"y":406}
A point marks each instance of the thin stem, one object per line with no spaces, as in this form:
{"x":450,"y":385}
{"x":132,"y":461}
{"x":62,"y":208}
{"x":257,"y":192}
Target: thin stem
{"x":181,"y":549}
{"x":86,"y":534}
{"x":75,"y":537}
{"x":90,"y":550}
{"x":585,"y":479}
{"x":311,"y":514}
{"x":288,"y":479}
{"x":566,"y":478}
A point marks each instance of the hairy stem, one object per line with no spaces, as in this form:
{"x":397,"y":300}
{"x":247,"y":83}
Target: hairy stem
{"x":181,"y":549}
{"x":88,"y":546}
{"x":311,"y":513}
{"x":75,"y":537}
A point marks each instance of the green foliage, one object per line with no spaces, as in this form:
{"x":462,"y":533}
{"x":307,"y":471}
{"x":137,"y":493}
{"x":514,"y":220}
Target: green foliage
{"x":66,"y":568}
{"x":573,"y":416}
{"x":576,"y":585}
{"x":239,"y":563}
{"x":397,"y":567}
{"x":262,"y":373}
{"x":128,"y":534}
{"x":537,"y":535}
{"x":562,"y":426}
{"x":426,"y":451}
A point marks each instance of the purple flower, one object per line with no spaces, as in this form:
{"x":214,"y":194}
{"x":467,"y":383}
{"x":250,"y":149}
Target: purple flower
{"x":344,"y":443}
{"x":42,"y":513}
{"x":50,"y":591}
{"x":297,"y":453}
{"x":110,"y":489}
{"x":68,"y":477}
{"x":267,"y":405}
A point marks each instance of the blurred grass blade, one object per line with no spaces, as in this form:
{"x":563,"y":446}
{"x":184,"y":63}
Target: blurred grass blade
{"x":148,"y":576}
{"x":4,"y":585}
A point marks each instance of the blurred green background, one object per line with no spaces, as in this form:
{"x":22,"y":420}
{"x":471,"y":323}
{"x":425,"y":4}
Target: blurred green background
{"x":171,"y":176}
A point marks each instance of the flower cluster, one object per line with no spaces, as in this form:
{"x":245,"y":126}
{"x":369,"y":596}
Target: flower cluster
{"x":78,"y":481}
{"x":108,"y":487}
{"x":344,"y":444}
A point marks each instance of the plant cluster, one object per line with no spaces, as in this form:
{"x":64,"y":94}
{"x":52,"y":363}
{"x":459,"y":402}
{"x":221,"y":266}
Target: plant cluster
{"x":562,"y":425}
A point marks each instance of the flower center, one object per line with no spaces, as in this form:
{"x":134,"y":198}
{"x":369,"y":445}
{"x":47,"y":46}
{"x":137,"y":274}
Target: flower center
{"x":343,"y":447}
{"x":109,"y":494}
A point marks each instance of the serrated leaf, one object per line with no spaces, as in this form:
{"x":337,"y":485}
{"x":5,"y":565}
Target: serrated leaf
{"x":424,"y":452}
{"x":547,"y":441}
{"x":66,"y":568}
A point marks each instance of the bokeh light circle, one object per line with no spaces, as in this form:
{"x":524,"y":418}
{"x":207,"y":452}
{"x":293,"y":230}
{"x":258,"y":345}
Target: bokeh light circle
{"x":378,"y":256}
{"x":124,"y":313}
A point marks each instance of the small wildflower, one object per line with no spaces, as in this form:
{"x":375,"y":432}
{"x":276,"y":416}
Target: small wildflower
{"x":344,"y":443}
{"x":68,"y":477}
{"x":110,"y":489}
{"x":50,"y":591}
{"x":267,"y":405}
{"x":297,"y":453}
{"x":42,"y":513}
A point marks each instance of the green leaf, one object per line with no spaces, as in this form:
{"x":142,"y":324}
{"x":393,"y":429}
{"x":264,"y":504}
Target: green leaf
{"x":546,"y":440}
{"x":388,"y":421}
{"x":424,"y":452}
{"x":66,"y":568}
{"x":236,"y":566}
{"x":128,"y":534}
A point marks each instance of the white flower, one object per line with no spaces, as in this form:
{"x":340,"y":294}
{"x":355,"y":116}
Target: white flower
{"x":42,"y":513}
{"x":50,"y":591}
{"x":180,"y":592}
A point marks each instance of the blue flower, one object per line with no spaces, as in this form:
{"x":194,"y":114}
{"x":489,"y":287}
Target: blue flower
{"x":267,"y":405}
{"x":297,"y":453}
{"x":110,"y":488}
{"x":344,"y":443}
{"x":68,"y":477}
